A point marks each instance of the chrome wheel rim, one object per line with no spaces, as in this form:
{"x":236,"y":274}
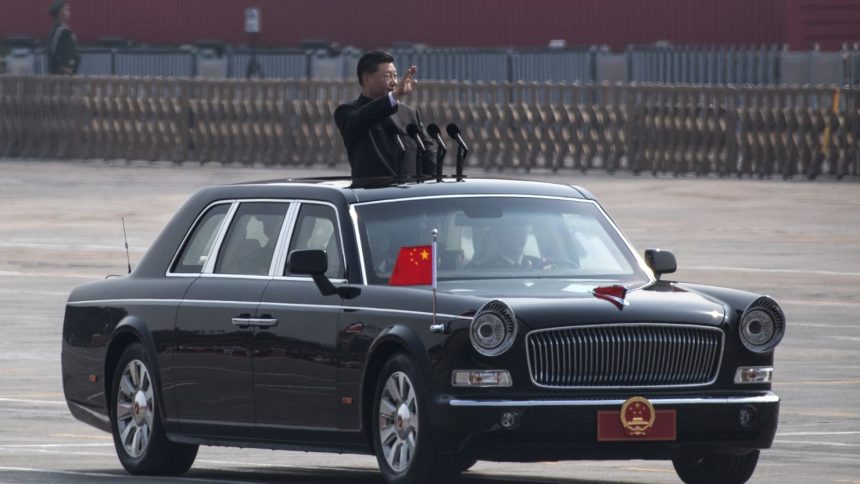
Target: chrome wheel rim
{"x":398,"y":422}
{"x":135,"y":408}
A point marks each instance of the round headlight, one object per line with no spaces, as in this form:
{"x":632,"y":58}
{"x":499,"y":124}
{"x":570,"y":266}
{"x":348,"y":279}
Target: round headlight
{"x":493,"y":329}
{"x":762,"y":325}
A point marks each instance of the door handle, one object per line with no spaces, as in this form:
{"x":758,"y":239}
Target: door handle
{"x":245,"y":321}
{"x":263,"y":322}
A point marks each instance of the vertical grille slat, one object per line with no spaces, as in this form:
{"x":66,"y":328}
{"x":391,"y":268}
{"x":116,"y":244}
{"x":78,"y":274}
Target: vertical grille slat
{"x":568,"y":366}
{"x":624,"y":355}
{"x":559,"y":341}
{"x":580,"y":359}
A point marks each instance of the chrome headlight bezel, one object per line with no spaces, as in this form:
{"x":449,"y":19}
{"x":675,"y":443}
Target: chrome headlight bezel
{"x":493,"y":329}
{"x":762,"y":325}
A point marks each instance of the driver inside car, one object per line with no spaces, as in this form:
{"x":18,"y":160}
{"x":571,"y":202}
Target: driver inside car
{"x":504,"y":245}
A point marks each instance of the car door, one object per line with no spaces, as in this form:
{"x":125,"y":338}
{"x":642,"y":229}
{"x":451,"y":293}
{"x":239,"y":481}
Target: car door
{"x":295,"y":367}
{"x":217,"y":320}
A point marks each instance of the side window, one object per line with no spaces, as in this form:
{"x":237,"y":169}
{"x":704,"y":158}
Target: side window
{"x":250,"y":241}
{"x":199,"y":245}
{"x":316,"y":228}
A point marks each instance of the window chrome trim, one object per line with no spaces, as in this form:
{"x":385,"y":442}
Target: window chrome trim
{"x":277,"y":275}
{"x":217,"y":275}
{"x":210,"y":268}
{"x":640,"y":261}
{"x":188,"y":233}
{"x":286,"y":235}
{"x":608,"y":387}
{"x":770,"y":397}
{"x":353,"y":215}
{"x":281,"y":250}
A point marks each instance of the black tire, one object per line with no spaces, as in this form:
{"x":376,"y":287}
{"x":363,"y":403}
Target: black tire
{"x":421,"y":463}
{"x":717,"y":469}
{"x":138,"y":436}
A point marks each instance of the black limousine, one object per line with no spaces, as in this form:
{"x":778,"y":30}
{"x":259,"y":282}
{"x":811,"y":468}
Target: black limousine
{"x":431,"y":324}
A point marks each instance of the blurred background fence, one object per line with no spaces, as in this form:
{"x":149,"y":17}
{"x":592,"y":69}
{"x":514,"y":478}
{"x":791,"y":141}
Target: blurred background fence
{"x":725,"y":130}
{"x":708,"y":64}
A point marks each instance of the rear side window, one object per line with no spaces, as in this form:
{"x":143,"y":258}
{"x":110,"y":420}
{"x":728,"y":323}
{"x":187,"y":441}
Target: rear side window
{"x":316,"y":228}
{"x":199,"y":245}
{"x":251,"y":239}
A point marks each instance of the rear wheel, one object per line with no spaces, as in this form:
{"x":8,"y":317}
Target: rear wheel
{"x":139,"y":439}
{"x":401,"y":432}
{"x":717,"y":469}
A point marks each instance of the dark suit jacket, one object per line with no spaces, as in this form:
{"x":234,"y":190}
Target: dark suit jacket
{"x":365,"y":125}
{"x":62,"y":50}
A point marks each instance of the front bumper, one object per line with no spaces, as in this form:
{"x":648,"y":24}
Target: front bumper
{"x":561,"y":429}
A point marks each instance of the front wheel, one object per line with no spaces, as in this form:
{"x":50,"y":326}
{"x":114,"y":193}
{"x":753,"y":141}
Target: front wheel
{"x":717,"y":469}
{"x":401,"y":432}
{"x":138,"y":437}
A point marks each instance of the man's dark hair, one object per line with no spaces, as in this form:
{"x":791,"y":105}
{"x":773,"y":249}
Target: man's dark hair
{"x":56,"y":6}
{"x":369,"y":62}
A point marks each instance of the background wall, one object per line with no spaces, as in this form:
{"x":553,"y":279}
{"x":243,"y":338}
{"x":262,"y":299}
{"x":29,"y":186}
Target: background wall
{"x":828,"y":22}
{"x":475,"y":23}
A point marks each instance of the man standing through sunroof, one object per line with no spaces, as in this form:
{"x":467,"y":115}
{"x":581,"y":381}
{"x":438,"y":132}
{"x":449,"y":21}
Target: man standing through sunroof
{"x":371,"y":125}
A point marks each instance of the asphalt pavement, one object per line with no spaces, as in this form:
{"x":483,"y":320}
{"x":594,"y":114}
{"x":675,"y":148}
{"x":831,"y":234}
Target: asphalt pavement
{"x":798,"y":241}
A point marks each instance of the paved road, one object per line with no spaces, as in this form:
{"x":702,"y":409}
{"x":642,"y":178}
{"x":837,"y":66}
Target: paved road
{"x":797,"y":241}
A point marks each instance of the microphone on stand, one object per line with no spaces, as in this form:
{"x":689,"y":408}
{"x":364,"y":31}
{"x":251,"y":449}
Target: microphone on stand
{"x":462,"y":149}
{"x":441,"y":151}
{"x":413,"y":131}
{"x":401,"y":149}
{"x":454,"y":132}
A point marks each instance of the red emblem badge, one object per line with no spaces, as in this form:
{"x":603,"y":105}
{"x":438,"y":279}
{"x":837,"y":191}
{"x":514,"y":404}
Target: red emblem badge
{"x":637,"y":420}
{"x":637,"y":416}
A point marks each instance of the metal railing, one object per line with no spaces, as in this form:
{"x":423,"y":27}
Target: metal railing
{"x":726,"y":130}
{"x":712,"y":64}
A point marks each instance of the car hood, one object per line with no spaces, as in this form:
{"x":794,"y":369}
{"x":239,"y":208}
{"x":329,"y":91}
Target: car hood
{"x":546,"y":303}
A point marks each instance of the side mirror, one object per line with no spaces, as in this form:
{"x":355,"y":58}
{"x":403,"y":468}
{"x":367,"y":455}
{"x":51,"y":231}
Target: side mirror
{"x":314,"y":263}
{"x":308,"y":262}
{"x":660,"y":261}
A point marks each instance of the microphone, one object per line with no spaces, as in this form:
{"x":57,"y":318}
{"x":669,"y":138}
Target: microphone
{"x":462,"y":149}
{"x":393,"y":131}
{"x":412,"y":131}
{"x":401,"y":150}
{"x":454,"y":133}
{"x":441,"y":150}
{"x":436,"y":134}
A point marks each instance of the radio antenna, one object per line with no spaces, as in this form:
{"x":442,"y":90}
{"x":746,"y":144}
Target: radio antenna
{"x":125,"y":237}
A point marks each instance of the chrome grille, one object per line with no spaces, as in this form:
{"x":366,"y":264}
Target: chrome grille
{"x":628,"y":355}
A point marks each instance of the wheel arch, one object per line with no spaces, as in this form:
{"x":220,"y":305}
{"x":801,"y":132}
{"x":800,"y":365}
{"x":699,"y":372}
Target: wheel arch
{"x":390,"y":341}
{"x":129,"y":331}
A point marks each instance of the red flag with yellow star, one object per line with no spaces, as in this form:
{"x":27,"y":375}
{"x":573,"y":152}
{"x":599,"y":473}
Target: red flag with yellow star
{"x":414,"y":267}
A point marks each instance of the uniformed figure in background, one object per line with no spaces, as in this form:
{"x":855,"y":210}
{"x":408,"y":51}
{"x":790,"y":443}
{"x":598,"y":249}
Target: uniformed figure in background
{"x":63,"y":57}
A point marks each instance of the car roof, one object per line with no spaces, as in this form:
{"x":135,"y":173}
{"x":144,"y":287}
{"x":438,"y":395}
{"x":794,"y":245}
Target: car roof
{"x":377,"y":189}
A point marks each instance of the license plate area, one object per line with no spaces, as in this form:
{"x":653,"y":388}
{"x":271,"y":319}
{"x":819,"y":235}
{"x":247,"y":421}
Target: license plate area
{"x":611,"y":427}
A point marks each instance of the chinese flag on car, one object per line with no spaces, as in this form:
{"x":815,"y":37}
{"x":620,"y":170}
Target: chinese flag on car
{"x":414,"y":267}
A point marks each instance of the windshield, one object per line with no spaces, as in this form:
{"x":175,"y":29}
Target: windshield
{"x":497,"y":238}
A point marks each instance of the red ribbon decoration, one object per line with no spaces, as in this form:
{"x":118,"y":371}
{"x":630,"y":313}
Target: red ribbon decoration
{"x":614,"y":294}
